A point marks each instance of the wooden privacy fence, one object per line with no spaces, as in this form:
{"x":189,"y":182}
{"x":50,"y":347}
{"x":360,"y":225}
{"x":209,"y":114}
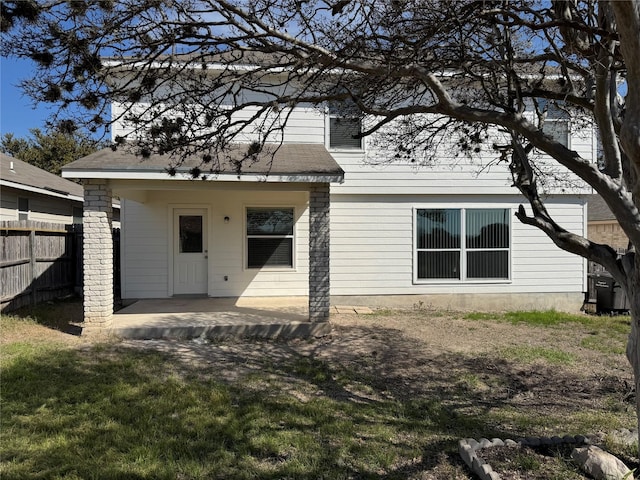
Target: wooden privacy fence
{"x":40,"y":261}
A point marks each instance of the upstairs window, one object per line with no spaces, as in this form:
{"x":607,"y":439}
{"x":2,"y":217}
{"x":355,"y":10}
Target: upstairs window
{"x":556,"y":124}
{"x":344,"y":128}
{"x":462,"y":244}
{"x":23,"y":208}
{"x":270,"y":237}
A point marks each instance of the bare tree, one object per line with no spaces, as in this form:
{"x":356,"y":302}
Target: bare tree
{"x":421,"y":66}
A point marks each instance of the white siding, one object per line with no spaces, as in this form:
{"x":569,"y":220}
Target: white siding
{"x":372,"y":172}
{"x":144,"y":250}
{"x":305,"y":124}
{"x":371,"y":224}
{"x":372,"y":248}
{"x":146,"y":256}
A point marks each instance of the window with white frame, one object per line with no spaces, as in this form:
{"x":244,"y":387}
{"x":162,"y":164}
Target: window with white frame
{"x":556,"y":124}
{"x":270,"y":238}
{"x":344,"y":128}
{"x":23,"y":208}
{"x":462,"y":244}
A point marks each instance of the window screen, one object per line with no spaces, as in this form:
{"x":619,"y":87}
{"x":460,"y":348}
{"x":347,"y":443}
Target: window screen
{"x":438,"y":243}
{"x":343,"y":132}
{"x":269,"y":237}
{"x":463,"y":244}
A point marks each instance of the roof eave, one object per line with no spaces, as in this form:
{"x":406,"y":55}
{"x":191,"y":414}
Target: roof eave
{"x":130,"y":174}
{"x":42,"y":191}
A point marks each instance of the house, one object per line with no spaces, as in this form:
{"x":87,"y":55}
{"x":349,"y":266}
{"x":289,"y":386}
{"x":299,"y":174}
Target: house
{"x":603,"y":226}
{"x":329,"y":220}
{"x":30,"y":193}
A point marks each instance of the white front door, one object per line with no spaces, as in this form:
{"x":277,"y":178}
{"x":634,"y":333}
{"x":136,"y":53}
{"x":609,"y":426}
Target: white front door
{"x":190,"y":251}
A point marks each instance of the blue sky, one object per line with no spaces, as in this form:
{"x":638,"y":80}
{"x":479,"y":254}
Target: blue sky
{"x":17,"y":115}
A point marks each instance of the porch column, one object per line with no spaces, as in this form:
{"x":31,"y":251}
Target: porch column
{"x":97,"y":256}
{"x":319,"y":295}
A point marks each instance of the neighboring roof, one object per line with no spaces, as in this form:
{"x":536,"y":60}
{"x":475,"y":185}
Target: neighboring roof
{"x":23,"y":176}
{"x":279,"y":163}
{"x":597,"y":209}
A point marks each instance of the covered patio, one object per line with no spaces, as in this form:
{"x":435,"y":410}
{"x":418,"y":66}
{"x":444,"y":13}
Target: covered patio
{"x":204,"y":239}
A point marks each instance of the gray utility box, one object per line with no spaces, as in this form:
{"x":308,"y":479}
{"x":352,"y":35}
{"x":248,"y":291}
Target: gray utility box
{"x":609,"y":294}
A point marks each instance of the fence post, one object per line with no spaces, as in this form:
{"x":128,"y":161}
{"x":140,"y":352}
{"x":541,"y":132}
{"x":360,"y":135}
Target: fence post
{"x":32,"y":265}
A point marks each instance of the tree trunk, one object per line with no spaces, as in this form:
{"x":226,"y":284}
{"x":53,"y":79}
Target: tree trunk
{"x":633,"y":343}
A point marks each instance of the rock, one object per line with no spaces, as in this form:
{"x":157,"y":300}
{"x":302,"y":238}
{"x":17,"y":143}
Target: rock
{"x":496,"y":442}
{"x":473,"y":443}
{"x":625,"y":436}
{"x":467,"y":453}
{"x":485,"y":443}
{"x":599,"y":464}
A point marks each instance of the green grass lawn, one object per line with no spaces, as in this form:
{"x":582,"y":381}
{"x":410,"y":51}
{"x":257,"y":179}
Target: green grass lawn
{"x":69,"y":414}
{"x":109,"y":412}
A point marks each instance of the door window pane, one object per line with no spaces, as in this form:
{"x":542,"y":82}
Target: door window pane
{"x":190,"y":233}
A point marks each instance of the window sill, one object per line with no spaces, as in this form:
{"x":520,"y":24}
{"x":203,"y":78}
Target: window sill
{"x":271,"y":269}
{"x":446,"y":281}
{"x":345,"y":150}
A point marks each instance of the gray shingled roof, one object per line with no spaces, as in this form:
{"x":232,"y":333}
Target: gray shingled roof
{"x":598,"y":210}
{"x":31,"y":176}
{"x":287,"y":159}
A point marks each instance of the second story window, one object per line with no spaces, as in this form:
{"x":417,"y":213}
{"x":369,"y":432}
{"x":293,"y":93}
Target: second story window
{"x":344,"y":129}
{"x":556,"y":124}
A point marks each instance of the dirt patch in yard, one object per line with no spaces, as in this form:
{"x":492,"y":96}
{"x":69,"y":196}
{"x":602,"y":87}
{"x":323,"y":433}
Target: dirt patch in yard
{"x":461,"y":364}
{"x":465,"y":375}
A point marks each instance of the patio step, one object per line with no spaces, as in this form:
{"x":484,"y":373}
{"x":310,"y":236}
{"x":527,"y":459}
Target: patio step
{"x":219,"y":331}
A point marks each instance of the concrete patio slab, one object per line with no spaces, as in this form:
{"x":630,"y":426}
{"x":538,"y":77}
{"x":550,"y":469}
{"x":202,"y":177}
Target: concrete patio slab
{"x":214,"y":318}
